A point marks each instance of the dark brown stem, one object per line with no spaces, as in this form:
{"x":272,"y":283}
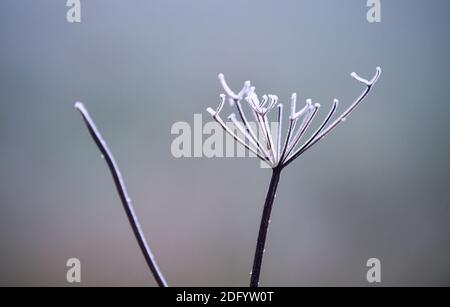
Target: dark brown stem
{"x":265,"y":220}
{"x":123,"y":194}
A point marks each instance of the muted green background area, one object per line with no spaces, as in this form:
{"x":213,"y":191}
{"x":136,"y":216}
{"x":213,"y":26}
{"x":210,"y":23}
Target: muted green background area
{"x":378,"y":187}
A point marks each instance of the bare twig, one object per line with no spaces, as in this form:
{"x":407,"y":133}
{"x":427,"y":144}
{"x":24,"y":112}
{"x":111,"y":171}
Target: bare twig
{"x":123,"y":194}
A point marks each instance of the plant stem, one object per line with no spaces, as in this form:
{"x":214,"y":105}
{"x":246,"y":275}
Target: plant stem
{"x":123,"y":194}
{"x":265,"y":220}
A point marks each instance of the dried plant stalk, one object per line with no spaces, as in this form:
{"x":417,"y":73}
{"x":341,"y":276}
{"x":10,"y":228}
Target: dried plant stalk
{"x":123,"y":194}
{"x":278,"y":154}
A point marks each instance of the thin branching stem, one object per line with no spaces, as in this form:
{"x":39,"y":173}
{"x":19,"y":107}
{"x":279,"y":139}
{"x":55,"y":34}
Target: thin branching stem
{"x":123,"y":194}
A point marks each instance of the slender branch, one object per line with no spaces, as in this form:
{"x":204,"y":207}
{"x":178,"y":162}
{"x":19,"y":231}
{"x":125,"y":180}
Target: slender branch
{"x":259,"y":114}
{"x":269,"y":137}
{"x":123,"y":194}
{"x":218,"y":119}
{"x":263,"y":127}
{"x":280,"y":125}
{"x":243,"y":130}
{"x":287,"y":140}
{"x":322,"y":126}
{"x":273,"y":100}
{"x":249,"y":128}
{"x":293,"y":118}
{"x":265,"y":220}
{"x":307,"y":120}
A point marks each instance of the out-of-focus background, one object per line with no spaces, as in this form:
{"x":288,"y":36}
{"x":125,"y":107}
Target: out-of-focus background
{"x":377,"y":187}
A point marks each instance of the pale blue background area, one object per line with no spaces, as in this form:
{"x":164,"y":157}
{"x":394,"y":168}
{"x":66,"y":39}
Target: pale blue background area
{"x":377,"y":187}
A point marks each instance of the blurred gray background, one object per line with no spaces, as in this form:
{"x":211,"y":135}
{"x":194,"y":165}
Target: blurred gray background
{"x":377,"y":187}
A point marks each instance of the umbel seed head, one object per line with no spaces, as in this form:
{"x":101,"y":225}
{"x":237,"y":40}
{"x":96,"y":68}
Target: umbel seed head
{"x":275,"y":153}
